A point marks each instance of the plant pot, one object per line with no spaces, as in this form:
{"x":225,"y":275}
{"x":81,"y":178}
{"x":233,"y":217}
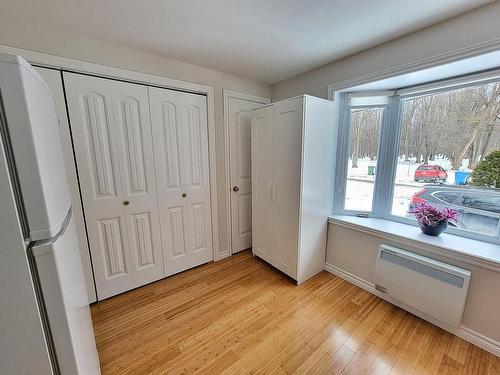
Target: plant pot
{"x":436,"y":230}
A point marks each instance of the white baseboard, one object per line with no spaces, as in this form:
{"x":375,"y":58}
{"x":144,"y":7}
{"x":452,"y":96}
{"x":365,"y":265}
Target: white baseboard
{"x":465,"y":333}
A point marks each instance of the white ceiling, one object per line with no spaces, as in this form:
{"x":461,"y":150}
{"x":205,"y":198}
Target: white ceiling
{"x":266,"y":40}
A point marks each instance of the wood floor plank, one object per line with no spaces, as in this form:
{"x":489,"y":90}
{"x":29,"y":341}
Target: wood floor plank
{"x":241,"y":316}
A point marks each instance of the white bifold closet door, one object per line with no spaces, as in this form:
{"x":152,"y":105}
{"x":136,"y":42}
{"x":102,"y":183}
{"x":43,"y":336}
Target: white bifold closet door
{"x":180,"y":136}
{"x":112,"y":138}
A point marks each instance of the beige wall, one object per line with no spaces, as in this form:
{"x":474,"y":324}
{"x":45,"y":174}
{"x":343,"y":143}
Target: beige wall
{"x":41,"y":38}
{"x":471,"y":29}
{"x":355,"y":252}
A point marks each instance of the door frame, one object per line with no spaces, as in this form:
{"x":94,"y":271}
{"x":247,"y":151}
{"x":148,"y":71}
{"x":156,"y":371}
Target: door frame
{"x":228,"y":94}
{"x":45,"y":60}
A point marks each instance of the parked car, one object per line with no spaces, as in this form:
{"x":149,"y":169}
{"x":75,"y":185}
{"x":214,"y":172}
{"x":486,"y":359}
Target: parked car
{"x":478,"y":208}
{"x":430,"y":173}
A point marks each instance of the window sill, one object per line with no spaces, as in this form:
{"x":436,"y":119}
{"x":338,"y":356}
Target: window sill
{"x":463,"y":249}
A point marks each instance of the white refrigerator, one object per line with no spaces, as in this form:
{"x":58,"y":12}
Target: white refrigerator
{"x":45,"y":323}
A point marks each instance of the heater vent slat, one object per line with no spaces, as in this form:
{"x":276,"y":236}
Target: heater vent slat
{"x":423,"y":269}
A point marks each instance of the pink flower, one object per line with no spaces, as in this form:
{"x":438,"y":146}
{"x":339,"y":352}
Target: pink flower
{"x":432,"y":216}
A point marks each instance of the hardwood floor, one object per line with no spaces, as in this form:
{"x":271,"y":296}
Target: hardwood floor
{"x":240,"y":315}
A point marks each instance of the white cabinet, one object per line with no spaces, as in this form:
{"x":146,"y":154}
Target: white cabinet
{"x":292,"y":169}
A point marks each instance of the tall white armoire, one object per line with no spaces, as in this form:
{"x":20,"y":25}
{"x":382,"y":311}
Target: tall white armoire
{"x":292,"y":176}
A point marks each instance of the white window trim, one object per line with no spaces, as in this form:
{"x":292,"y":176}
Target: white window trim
{"x":388,"y":149}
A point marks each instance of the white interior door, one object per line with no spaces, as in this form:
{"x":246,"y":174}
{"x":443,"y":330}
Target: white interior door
{"x":239,"y":112}
{"x":180,"y":136}
{"x":112,"y":139}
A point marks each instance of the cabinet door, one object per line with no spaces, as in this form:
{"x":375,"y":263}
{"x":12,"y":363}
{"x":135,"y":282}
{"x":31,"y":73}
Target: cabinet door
{"x":262,"y":182}
{"x":181,"y":160}
{"x":287,"y":136}
{"x":131,"y":109}
{"x":95,"y":140}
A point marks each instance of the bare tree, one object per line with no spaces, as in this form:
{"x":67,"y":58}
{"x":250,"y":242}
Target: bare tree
{"x":456,"y":124}
{"x":365,"y":128}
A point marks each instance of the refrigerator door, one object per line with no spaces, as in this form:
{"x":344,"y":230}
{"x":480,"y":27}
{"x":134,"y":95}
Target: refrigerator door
{"x":23,"y":345}
{"x":30,"y":126}
{"x":60,"y":275}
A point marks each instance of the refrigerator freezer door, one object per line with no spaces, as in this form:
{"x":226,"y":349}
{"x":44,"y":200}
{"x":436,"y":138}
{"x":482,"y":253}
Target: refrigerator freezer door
{"x":60,"y":274}
{"x":31,"y":125}
{"x":23,"y":346}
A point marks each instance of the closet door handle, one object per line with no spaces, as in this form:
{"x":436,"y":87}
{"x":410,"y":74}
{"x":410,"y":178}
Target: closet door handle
{"x":274,"y":191}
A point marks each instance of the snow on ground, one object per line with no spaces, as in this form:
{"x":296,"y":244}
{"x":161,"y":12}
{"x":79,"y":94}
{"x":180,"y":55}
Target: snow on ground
{"x":359,"y":190}
{"x":359,"y":196}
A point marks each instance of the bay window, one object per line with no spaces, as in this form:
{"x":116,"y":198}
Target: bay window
{"x":438,"y":144}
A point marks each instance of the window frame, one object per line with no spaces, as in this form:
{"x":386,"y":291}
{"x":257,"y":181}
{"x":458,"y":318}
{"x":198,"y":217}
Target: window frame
{"x":388,"y":148}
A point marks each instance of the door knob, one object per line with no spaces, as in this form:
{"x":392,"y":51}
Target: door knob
{"x":184,"y":195}
{"x":126,"y":203}
{"x":235,"y":188}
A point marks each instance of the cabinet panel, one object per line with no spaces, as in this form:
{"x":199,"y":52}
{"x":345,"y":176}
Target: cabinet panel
{"x":287,"y":135}
{"x":262,"y":182}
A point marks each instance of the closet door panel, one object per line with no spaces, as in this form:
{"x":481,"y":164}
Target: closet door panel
{"x":97,"y":154}
{"x":262,"y":182}
{"x":180,"y":136}
{"x":168,"y":141}
{"x":287,"y":128}
{"x":131,"y":110}
{"x":197,"y":174}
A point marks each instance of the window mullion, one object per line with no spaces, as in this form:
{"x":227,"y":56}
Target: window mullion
{"x":387,"y":159}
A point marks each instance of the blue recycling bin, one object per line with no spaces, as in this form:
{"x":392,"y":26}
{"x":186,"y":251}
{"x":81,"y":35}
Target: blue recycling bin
{"x":461,"y":177}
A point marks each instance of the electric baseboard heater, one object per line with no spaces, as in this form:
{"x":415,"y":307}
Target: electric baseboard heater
{"x":435,"y":288}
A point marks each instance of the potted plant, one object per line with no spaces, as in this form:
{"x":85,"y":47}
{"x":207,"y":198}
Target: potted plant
{"x":432,"y":220}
